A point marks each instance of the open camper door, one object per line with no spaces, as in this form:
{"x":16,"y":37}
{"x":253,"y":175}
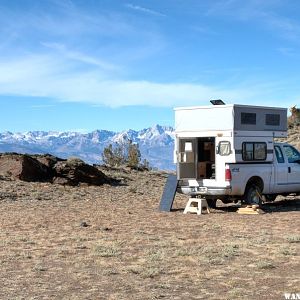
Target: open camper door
{"x":186,"y":158}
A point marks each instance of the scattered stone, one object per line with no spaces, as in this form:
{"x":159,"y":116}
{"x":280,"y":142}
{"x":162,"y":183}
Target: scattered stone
{"x":106,"y":229}
{"x":84,"y":224}
{"x":81,"y":247}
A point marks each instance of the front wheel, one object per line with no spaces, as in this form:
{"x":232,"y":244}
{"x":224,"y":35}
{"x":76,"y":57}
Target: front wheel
{"x":253,"y":195}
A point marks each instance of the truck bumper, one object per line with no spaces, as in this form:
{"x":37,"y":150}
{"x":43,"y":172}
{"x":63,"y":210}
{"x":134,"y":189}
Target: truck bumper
{"x":205,"y":191}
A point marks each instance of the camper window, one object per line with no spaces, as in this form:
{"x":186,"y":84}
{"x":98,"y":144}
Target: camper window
{"x":254,"y":151}
{"x":273,"y":119}
{"x":188,"y":147}
{"x":248,"y":118}
{"x":224,"y":148}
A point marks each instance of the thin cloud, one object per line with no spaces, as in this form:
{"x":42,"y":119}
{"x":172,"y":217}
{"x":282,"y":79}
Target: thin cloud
{"x":52,"y":77}
{"x":68,"y":72}
{"x":145,"y":10}
{"x":42,"y":106}
{"x":81,"y":57}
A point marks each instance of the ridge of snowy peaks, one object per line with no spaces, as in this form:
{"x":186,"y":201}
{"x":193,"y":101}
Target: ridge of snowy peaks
{"x":125,"y":135}
{"x":156,"y":134}
{"x":155,"y":131}
{"x":156,"y":143}
{"x":35,"y":135}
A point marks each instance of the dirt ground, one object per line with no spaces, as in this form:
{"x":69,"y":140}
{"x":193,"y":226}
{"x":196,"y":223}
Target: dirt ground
{"x":110,"y":242}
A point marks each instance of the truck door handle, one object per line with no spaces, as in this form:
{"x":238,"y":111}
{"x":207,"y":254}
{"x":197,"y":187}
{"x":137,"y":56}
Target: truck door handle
{"x":289,"y":169}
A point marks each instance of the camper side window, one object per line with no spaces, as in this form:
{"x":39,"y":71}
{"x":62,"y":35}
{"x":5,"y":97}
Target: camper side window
{"x":273,"y":119}
{"x":224,"y":148}
{"x":248,"y":118}
{"x":254,"y":151}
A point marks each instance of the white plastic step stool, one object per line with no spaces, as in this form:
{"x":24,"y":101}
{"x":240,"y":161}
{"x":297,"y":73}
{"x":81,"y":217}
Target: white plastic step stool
{"x":196,"y":205}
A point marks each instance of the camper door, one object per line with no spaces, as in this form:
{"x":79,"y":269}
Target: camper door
{"x":186,"y":158}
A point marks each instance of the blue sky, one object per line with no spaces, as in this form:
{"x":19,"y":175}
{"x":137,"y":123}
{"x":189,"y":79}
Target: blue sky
{"x":108,"y":64}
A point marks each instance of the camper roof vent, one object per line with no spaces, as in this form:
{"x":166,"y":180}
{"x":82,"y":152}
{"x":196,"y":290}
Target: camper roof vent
{"x":217,"y":102}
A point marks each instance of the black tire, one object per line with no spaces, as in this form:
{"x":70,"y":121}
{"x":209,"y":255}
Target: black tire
{"x":252,"y":195}
{"x":212,"y":203}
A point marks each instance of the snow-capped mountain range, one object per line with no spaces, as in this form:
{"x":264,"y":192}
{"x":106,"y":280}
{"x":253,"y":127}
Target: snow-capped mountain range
{"x":156,"y":144}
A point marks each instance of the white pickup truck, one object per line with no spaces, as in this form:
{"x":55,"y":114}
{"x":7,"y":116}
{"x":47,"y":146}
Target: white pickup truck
{"x":228,"y":152}
{"x":249,"y":181}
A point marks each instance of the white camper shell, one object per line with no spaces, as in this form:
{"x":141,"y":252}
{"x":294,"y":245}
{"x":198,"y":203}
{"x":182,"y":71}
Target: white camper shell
{"x":215,"y":144}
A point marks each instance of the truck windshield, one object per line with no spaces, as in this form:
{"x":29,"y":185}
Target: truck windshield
{"x":292,"y":154}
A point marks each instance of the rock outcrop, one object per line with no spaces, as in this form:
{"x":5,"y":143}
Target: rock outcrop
{"x":74,"y":171}
{"x":48,"y":168}
{"x":47,"y":159}
{"x":23,"y":167}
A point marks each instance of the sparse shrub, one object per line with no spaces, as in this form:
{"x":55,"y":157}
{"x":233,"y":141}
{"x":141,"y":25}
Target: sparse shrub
{"x":288,"y":252}
{"x":134,"y":155}
{"x":112,"y":156}
{"x":293,"y":239}
{"x":107,"y":251}
{"x":230,"y":250}
{"x":155,"y":255}
{"x":110,"y":271}
{"x":185,"y":252}
{"x":145,"y":165}
{"x":265,"y":265}
{"x":152,"y":272}
{"x":134,"y":270}
{"x":124,"y":153}
{"x":294,"y":119}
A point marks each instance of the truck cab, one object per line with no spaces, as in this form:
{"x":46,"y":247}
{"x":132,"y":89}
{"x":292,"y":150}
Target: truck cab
{"x":286,"y":169}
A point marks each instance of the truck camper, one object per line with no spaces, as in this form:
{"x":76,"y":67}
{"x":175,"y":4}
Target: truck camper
{"x":228,"y":152}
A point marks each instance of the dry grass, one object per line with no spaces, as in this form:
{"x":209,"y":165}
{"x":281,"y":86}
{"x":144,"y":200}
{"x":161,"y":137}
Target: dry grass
{"x":110,"y":242}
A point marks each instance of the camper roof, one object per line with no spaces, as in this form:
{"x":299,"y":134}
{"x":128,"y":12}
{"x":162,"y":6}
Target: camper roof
{"x":227,"y":105}
{"x":232,"y":117}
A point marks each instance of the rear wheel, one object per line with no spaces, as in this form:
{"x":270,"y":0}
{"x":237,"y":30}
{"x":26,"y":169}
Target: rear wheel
{"x":253,"y":195}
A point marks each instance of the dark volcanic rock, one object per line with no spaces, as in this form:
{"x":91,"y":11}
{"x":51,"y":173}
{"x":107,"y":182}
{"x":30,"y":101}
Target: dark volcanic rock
{"x":47,"y":159}
{"x":75,"y":171}
{"x":49,"y":168}
{"x":23,"y":167}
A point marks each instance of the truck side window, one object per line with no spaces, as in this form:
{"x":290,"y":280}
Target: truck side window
{"x":292,"y":154}
{"x":224,"y":148}
{"x":254,"y":151}
{"x":279,"y":155}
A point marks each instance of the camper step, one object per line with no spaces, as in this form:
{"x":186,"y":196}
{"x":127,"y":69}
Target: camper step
{"x":196,"y":205}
